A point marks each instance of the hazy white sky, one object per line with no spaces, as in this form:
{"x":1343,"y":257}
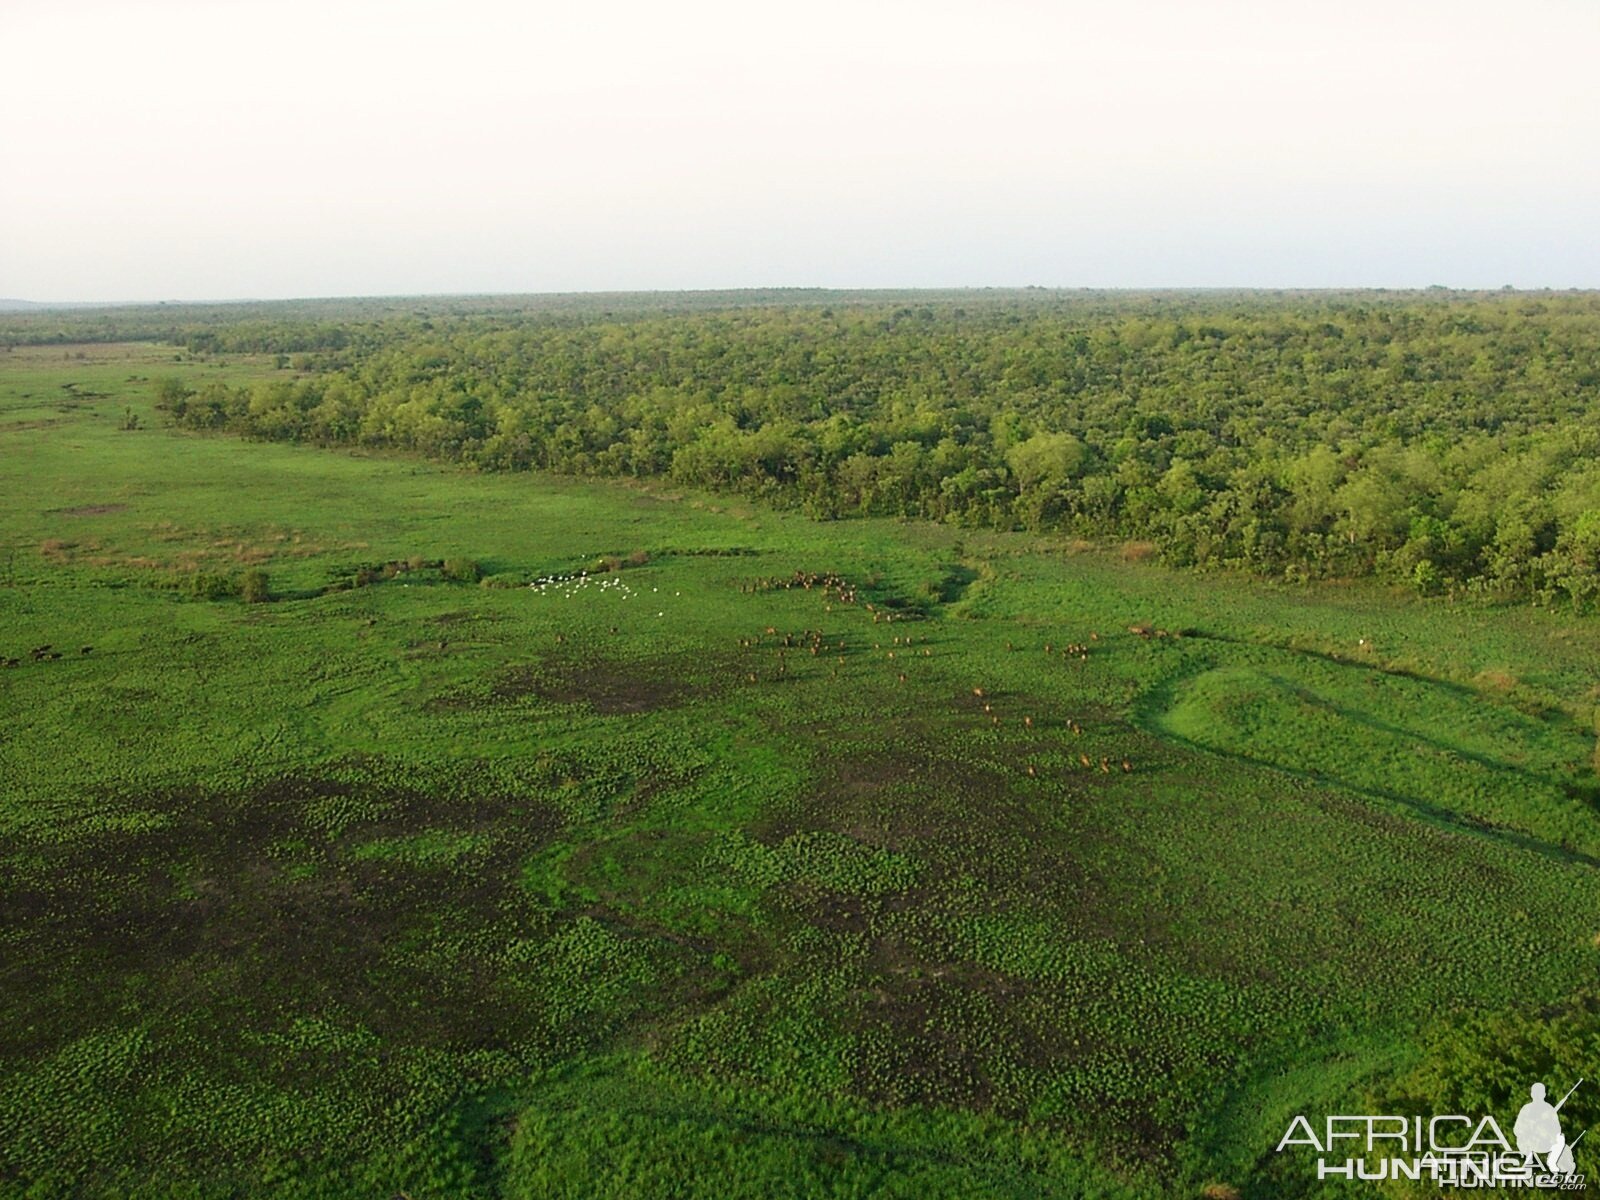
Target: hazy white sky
{"x":183,"y":149}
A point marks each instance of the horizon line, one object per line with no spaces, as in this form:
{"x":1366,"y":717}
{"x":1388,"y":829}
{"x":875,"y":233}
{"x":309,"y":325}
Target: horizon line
{"x":24,"y":304}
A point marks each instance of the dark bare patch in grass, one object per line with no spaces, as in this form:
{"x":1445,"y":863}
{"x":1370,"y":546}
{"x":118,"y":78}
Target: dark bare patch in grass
{"x":258,"y":894}
{"x":610,"y":687}
{"x":91,"y":510}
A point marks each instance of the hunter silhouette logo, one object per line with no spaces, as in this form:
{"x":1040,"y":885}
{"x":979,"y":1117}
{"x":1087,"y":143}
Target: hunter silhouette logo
{"x":1450,"y":1150}
{"x":1538,"y":1131}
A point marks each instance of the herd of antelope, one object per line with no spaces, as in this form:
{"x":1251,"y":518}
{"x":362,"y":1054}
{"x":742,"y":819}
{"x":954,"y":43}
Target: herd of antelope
{"x":895,"y":649}
{"x":45,"y":653}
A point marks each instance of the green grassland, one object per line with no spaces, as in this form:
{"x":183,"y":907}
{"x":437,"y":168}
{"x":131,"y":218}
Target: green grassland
{"x":610,"y":887}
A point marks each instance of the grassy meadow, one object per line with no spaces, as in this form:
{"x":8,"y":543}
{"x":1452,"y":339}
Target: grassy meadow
{"x":740,"y":855}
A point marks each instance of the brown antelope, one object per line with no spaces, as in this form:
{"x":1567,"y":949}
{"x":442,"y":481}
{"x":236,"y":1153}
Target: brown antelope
{"x":1084,"y":759}
{"x":1027,"y":722}
{"x":1126,"y":766}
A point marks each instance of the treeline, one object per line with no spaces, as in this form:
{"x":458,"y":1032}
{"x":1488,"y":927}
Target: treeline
{"x":1445,"y":440}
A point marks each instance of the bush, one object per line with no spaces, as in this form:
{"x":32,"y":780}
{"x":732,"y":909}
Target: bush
{"x":254,"y":588}
{"x":462,"y":570}
{"x":204,"y":586}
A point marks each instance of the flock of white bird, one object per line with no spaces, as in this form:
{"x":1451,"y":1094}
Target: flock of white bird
{"x":568,"y":586}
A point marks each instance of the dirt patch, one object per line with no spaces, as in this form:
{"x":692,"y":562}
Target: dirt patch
{"x":611,"y":688}
{"x":255,"y":898}
{"x":91,"y":510}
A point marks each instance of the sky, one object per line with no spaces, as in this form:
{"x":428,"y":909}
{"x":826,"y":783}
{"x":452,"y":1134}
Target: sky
{"x":220,"y":149}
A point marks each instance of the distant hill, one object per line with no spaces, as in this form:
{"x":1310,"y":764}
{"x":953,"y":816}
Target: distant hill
{"x":18,"y":305}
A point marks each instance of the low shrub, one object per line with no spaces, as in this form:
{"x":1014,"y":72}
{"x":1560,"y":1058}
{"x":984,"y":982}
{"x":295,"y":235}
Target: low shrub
{"x":254,"y":587}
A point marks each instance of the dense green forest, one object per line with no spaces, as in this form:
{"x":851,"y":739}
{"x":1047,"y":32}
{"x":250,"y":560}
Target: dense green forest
{"x":1446,"y":441}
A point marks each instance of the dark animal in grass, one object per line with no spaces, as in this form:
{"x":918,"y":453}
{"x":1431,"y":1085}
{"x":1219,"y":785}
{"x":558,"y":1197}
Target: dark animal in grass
{"x":87,"y":650}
